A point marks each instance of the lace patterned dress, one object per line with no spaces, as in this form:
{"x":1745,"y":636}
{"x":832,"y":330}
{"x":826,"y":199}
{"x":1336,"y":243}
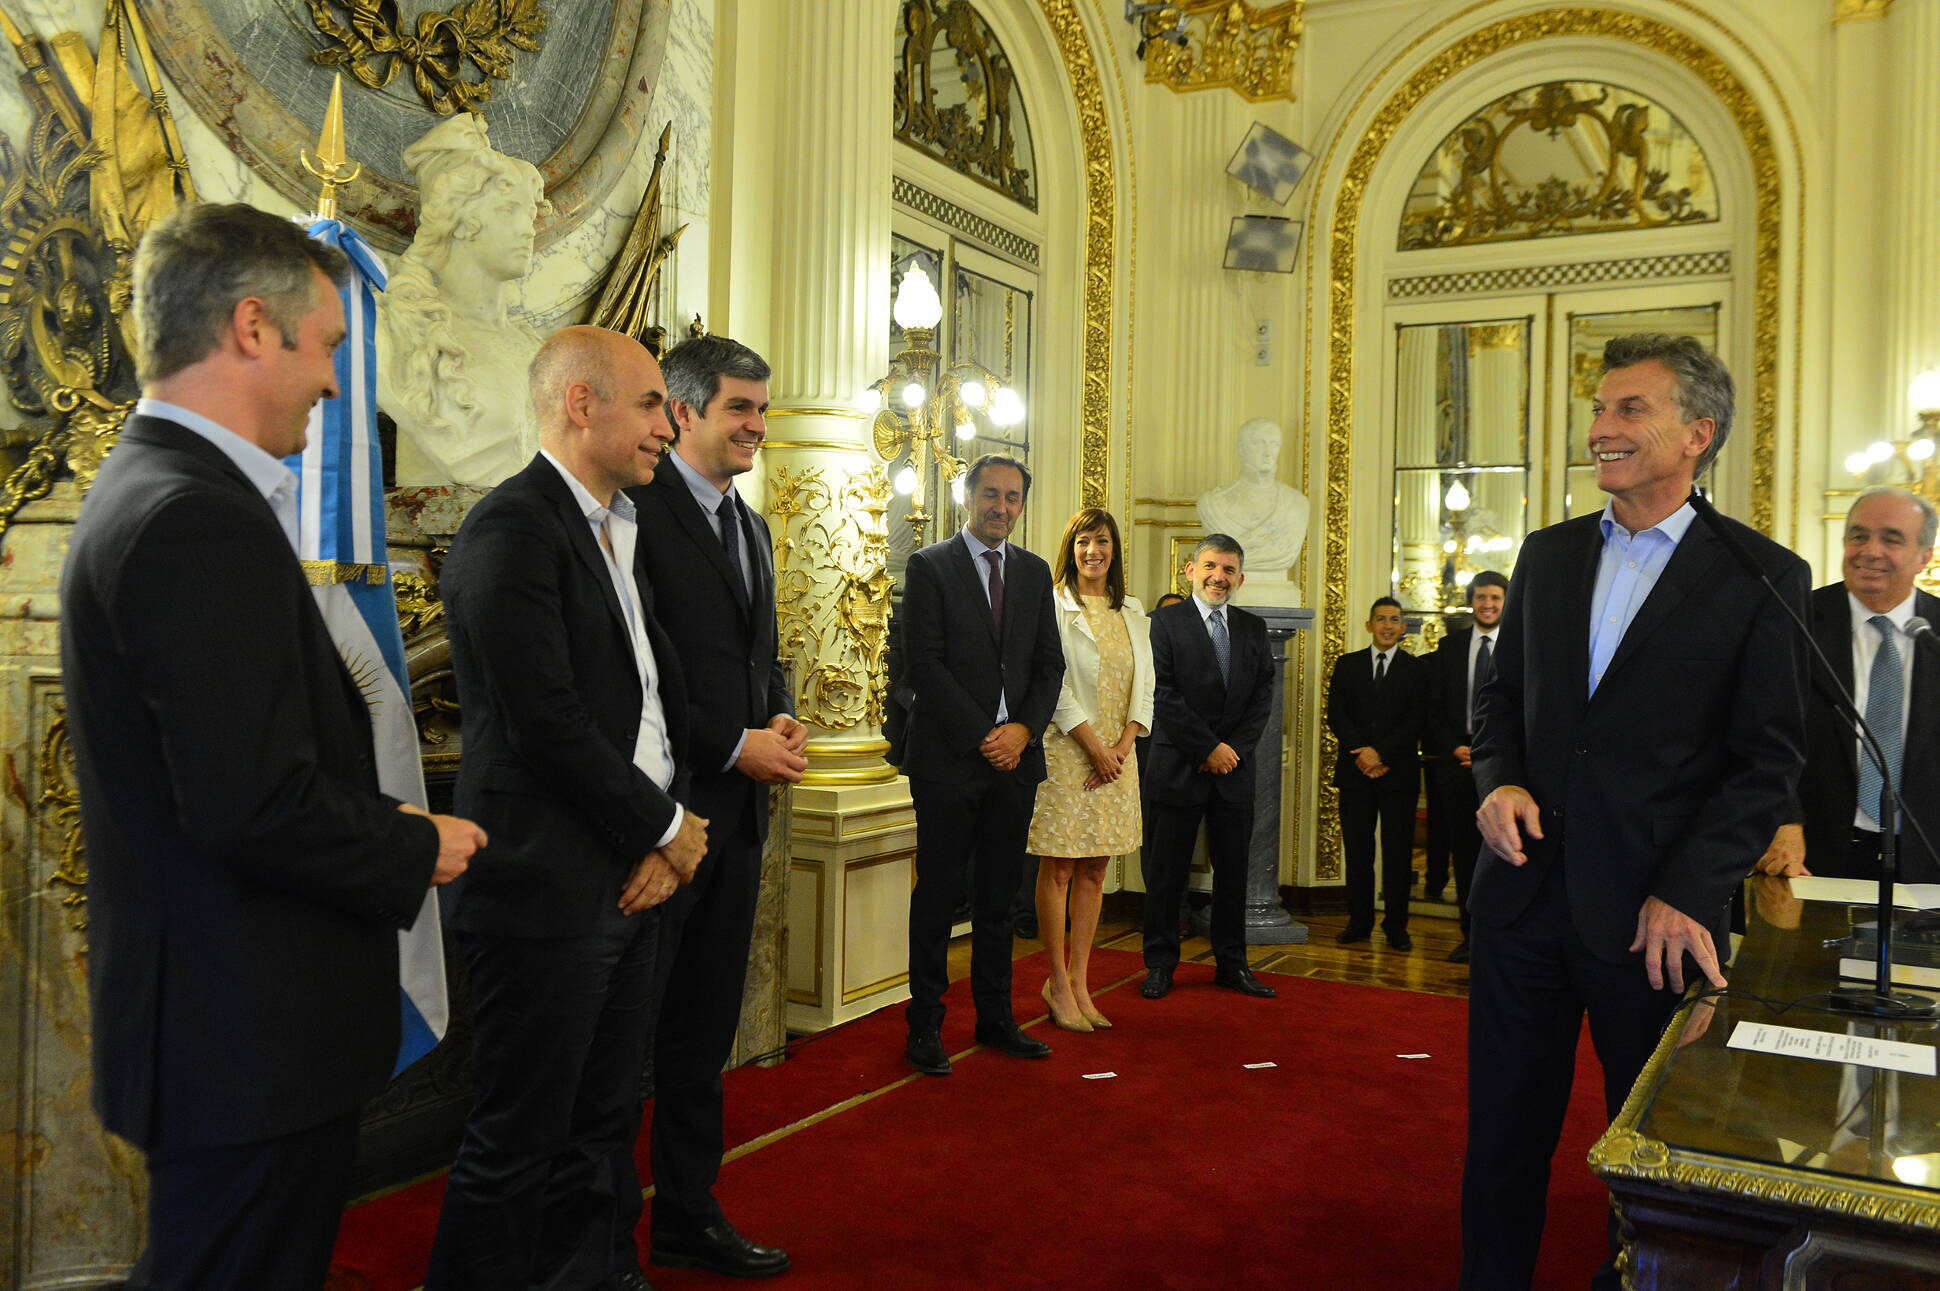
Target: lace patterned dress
{"x":1070,"y":820}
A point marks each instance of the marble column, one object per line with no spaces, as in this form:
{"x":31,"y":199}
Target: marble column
{"x":1912,"y":244}
{"x":827,"y":244}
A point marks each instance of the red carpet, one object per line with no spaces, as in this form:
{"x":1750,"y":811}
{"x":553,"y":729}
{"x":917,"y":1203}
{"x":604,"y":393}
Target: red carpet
{"x":1337,"y":1167}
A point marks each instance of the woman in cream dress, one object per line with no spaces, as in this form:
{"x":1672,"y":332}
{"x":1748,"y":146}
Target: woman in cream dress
{"x":1088,"y":806}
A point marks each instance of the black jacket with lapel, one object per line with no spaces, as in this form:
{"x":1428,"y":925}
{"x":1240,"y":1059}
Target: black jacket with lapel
{"x":1193,"y":711}
{"x":550,"y":697}
{"x":1672,"y":778}
{"x":1829,"y":790}
{"x":956,"y":664}
{"x":1390,"y":719}
{"x":246,"y":878}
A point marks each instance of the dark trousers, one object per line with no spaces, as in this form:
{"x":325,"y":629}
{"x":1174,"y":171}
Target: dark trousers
{"x":704,"y":936}
{"x":1459,"y":802}
{"x":1166,"y":861}
{"x":981,"y":825}
{"x":1440,"y":835}
{"x":544,"y":1192}
{"x":1392,"y":807}
{"x":1529,"y":986}
{"x":247,"y":1216}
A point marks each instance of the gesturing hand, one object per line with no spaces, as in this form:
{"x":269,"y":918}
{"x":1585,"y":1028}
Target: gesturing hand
{"x":1664,"y":934}
{"x":1503,"y":815}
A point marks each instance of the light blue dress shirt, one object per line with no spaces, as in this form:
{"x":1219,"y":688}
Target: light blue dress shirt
{"x":274,"y":480}
{"x":1630,"y":566}
{"x":977,"y":548}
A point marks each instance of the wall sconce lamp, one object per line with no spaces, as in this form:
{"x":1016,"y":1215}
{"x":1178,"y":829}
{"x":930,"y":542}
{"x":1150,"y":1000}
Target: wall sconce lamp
{"x":1908,"y":461}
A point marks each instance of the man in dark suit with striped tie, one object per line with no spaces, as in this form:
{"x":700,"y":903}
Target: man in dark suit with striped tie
{"x":1214,"y":686}
{"x":1461,"y":666}
{"x":1377,"y":706}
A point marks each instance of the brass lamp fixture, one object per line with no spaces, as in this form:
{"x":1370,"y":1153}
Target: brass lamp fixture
{"x":1469,"y":536}
{"x":1910,"y":461}
{"x":924,"y":406}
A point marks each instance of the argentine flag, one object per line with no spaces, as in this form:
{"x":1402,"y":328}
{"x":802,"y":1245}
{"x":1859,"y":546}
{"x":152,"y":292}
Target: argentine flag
{"x":340,"y":539}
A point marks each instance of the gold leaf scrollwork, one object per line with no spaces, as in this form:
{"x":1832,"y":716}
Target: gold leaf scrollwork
{"x":1229,"y":44}
{"x":956,"y":97}
{"x":832,"y":590}
{"x":418,"y":607}
{"x":370,"y":41}
{"x":59,"y":807}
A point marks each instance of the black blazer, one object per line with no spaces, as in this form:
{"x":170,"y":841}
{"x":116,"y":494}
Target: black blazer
{"x":1392,"y":720}
{"x":550,"y":700}
{"x":1193,"y":712}
{"x":725,"y":638}
{"x":246,"y":879}
{"x":955,"y":666}
{"x":1672,"y":778}
{"x":1829,"y":789}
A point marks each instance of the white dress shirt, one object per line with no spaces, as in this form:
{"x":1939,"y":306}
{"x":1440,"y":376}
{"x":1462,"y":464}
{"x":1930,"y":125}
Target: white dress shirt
{"x":1865,"y":648}
{"x":652,"y":751}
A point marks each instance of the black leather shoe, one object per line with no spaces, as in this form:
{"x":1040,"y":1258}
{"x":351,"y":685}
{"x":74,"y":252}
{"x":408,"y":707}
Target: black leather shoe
{"x":1459,"y":955}
{"x":1157,"y":985}
{"x":1242,"y":980}
{"x":631,"y":1280}
{"x":720,"y":1249}
{"x":1348,"y":936}
{"x":1007,"y":1037}
{"x":1401,"y":941}
{"x":1027,"y":927}
{"x":925,"y":1053}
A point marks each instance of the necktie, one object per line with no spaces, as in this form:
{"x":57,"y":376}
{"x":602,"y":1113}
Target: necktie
{"x":1885,"y":689}
{"x":996,"y":589}
{"x":1221,"y":643}
{"x":1484,"y":669}
{"x":731,"y":538}
{"x":1380,"y":670}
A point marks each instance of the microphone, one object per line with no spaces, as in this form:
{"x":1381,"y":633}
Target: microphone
{"x":1882,"y":1000}
{"x":1922,"y":631}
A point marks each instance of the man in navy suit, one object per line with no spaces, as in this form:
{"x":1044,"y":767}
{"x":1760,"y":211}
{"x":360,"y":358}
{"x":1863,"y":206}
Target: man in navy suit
{"x":1462,"y":665}
{"x":1377,"y":705}
{"x":982,"y":663}
{"x":247,"y":880}
{"x":1832,"y":828}
{"x":709,"y":560}
{"x":1214,"y":685}
{"x":1635,"y":753}
{"x":574,"y":738}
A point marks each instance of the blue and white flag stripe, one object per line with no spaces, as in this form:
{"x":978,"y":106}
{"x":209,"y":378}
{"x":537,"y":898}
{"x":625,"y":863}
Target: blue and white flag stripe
{"x":340,"y":532}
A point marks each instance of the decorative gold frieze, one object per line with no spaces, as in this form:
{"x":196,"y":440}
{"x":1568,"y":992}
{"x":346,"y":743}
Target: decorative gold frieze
{"x":956,"y":98}
{"x":102,"y":163}
{"x":832,"y":590}
{"x":1094,"y":432}
{"x":1688,"y":264}
{"x":370,"y":40}
{"x":1229,"y":45}
{"x":59,"y":808}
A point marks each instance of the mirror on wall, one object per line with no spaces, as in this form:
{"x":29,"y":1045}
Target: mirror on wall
{"x":1587,"y":335}
{"x":1461,"y":462}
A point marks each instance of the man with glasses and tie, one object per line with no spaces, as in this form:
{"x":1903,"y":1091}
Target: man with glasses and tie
{"x":1461,"y":666}
{"x":1213,"y":678}
{"x":708,"y":557}
{"x":1860,"y":623}
{"x":1377,"y":706}
{"x":982,"y":665}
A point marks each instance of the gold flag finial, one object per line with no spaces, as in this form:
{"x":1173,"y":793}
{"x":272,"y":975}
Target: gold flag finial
{"x":331,"y":163}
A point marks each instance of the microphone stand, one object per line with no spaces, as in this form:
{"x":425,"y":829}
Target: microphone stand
{"x":1880,"y":1000}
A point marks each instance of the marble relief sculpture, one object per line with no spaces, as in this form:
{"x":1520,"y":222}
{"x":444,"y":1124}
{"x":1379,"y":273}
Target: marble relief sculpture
{"x":1268,"y":517}
{"x":452,"y":362}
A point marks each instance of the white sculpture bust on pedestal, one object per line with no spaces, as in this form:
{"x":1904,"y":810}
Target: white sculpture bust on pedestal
{"x":1268,"y":517}
{"x":451,"y":363}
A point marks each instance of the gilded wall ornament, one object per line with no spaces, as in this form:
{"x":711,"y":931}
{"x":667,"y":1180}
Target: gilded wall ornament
{"x":1230,"y":44}
{"x":832,"y":588}
{"x":59,"y":810}
{"x":1559,"y":158}
{"x":102,"y":163}
{"x":956,"y":98}
{"x":370,"y":40}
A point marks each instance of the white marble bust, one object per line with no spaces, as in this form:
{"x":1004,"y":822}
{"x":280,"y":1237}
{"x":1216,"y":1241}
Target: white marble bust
{"x":1268,"y":517}
{"x":451,"y":362}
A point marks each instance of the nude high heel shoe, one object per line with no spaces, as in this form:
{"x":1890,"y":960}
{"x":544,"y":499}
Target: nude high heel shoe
{"x":1099,"y":1022}
{"x":1069,"y":1022}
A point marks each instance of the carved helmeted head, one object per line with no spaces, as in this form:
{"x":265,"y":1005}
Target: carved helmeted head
{"x":473,"y":199}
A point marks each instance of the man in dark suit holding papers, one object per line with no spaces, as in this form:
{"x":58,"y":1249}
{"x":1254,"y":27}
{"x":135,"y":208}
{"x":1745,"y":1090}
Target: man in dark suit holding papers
{"x":1634,"y":753}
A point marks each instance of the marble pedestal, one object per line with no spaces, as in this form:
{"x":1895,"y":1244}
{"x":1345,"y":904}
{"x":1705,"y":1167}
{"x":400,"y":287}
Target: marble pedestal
{"x":853,"y":865}
{"x":1267,"y":922}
